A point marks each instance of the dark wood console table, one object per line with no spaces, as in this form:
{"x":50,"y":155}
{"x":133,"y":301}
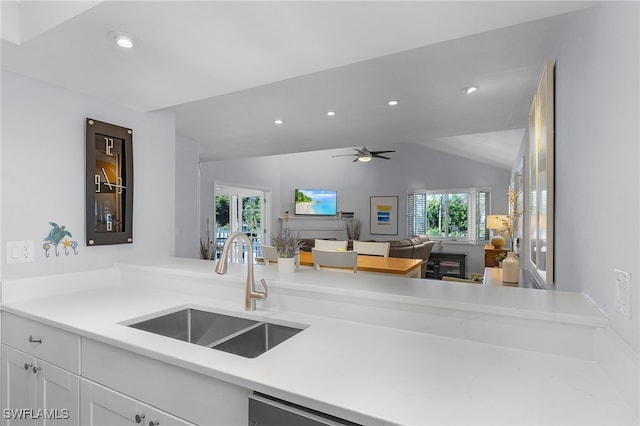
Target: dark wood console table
{"x":443,"y":263}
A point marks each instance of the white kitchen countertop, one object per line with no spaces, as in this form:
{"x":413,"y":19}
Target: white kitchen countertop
{"x":567,"y":307}
{"x":366,"y":373}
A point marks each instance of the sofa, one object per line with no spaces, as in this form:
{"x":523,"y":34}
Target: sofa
{"x":416,"y":247}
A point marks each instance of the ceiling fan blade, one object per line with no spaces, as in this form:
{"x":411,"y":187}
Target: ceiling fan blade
{"x":364,"y":153}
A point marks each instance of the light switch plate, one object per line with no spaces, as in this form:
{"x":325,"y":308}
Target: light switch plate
{"x":623,"y":292}
{"x":19,"y":251}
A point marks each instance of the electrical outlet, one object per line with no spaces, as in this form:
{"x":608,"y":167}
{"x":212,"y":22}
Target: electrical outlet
{"x":623,"y":292}
{"x":19,"y":251}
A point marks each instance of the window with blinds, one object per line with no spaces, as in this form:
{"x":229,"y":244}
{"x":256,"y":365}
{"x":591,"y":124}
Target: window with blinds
{"x":454,"y":215}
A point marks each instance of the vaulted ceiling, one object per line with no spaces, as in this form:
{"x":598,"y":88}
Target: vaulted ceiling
{"x":229,"y":69}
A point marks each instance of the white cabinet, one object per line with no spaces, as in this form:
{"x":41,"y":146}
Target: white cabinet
{"x":18,"y":383}
{"x":42,"y":384}
{"x":183,"y":393}
{"x":102,"y":406}
{"x":40,"y":367}
{"x":36,"y":392}
{"x":51,"y":344}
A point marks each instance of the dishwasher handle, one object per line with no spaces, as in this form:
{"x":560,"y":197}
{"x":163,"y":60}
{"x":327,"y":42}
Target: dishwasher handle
{"x":269,"y":411}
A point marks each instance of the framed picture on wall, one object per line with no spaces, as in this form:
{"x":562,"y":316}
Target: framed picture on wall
{"x":384,"y":215}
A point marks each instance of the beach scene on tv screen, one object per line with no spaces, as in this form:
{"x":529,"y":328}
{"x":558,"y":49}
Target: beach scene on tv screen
{"x":316,"y":202}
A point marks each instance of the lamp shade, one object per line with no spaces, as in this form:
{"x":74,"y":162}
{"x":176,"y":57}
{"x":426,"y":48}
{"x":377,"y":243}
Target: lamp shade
{"x":496,"y":221}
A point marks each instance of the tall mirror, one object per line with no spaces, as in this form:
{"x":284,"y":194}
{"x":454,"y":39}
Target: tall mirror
{"x":541,"y":183}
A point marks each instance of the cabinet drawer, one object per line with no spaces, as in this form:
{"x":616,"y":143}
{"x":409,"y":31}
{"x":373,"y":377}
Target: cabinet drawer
{"x":183,"y":393}
{"x":50,"y":344}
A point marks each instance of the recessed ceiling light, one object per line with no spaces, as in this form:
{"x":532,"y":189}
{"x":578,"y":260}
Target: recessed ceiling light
{"x":122,"y":39}
{"x":469,"y":90}
{"x":331,"y":113}
{"x":278,"y":121}
{"x":393,"y":102}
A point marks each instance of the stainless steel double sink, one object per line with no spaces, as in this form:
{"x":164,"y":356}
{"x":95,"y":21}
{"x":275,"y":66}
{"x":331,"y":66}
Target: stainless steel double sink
{"x":224,"y":332}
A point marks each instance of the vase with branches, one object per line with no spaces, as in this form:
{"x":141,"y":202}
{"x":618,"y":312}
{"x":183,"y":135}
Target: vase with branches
{"x":205,"y":247}
{"x":510,"y":224}
{"x":353,"y":228}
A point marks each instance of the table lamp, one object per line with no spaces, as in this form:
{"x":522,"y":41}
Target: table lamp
{"x":496,"y":222}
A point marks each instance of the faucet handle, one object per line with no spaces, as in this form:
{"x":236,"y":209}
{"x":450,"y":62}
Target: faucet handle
{"x":266,"y":290}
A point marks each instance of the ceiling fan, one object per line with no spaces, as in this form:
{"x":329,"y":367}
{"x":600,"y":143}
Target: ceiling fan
{"x":365,"y":155}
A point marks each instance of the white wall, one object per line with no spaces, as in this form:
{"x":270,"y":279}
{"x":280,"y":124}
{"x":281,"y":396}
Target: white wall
{"x":43,"y":175}
{"x":187,"y":198}
{"x":597,"y":153}
{"x":410,"y":167}
{"x":262,"y":173}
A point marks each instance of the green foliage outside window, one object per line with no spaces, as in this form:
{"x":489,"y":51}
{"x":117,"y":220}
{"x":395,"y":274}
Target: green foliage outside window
{"x":447,"y":215}
{"x":251,"y":213}
{"x":222,"y":211}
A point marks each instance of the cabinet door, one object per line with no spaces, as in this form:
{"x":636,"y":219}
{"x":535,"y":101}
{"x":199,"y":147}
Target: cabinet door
{"x":105,"y":407}
{"x":57,"y":394}
{"x":41,"y":394}
{"x":18,"y":387}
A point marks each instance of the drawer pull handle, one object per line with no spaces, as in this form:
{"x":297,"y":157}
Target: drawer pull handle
{"x":27,"y":365}
{"x":154,"y":423}
{"x":36,"y":369}
{"x":139,"y":418}
{"x":32,"y":340}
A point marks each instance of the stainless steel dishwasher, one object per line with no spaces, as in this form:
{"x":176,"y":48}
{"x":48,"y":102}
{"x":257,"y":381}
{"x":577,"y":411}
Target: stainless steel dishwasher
{"x":265,"y":410}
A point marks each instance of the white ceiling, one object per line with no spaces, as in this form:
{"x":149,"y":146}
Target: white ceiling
{"x":229,"y":69}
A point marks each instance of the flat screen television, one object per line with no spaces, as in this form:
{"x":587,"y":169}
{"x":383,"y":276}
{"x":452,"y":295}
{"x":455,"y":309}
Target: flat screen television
{"x":316,"y":202}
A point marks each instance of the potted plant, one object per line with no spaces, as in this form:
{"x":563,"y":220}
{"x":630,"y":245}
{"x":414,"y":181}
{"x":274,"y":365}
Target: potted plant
{"x":287,"y":245}
{"x":500,"y":257}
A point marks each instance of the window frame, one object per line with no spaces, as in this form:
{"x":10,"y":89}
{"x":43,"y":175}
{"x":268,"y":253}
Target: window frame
{"x":475,"y":219}
{"x":540,"y":196}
